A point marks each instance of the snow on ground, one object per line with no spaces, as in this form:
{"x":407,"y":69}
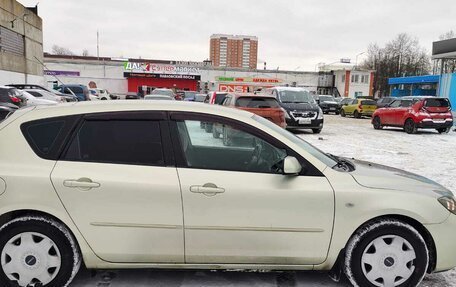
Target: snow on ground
{"x":427,"y":153}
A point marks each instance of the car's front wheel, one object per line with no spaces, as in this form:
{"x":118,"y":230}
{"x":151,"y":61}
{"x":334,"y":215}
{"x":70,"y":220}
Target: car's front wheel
{"x":316,"y":131}
{"x":37,"y":251}
{"x":386,"y":253}
{"x":342,"y":113}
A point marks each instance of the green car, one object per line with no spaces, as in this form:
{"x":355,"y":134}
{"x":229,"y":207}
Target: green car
{"x":359,"y":108}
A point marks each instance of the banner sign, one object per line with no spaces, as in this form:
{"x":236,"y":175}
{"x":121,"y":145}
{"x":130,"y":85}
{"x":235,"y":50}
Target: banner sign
{"x":248,"y":80}
{"x":160,"y":68}
{"x":61,"y":73}
{"x":162,"y":76}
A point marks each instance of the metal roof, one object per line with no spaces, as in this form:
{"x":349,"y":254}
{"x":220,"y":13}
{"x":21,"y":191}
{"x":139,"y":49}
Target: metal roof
{"x":428,"y":79}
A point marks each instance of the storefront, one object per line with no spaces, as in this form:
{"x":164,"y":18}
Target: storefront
{"x":144,"y":77}
{"x":245,"y":84}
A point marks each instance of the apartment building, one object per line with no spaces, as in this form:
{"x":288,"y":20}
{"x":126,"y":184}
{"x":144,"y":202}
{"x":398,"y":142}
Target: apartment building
{"x":234,"y":51}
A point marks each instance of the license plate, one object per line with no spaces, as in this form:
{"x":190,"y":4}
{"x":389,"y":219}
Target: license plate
{"x":304,"y":121}
{"x":439,"y":121}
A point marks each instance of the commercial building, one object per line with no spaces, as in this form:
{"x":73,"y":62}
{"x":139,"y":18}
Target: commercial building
{"x":142,"y":75}
{"x":21,"y":44}
{"x":234,"y":51}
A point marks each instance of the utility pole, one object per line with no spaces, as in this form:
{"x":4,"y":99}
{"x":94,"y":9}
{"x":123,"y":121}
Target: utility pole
{"x":98,"y":46}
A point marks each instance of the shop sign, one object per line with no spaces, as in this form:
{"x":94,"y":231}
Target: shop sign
{"x":160,"y":68}
{"x":233,"y":88}
{"x":61,"y":73}
{"x":248,"y":80}
{"x":161,"y":76}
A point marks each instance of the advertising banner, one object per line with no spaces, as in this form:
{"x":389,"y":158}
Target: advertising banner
{"x":162,"y":76}
{"x":161,"y":68}
{"x":61,"y":73}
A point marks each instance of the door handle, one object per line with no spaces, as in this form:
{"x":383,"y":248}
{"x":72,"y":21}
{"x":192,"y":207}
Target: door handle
{"x":208,"y":189}
{"x":83,"y":183}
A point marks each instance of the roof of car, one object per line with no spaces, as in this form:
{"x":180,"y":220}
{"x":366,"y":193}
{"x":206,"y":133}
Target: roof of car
{"x":126,"y":105}
{"x":252,"y":95}
{"x":289,"y":89}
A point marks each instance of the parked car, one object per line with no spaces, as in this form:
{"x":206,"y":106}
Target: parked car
{"x":6,"y":109}
{"x":80,"y":91}
{"x":10,"y":95}
{"x":42,"y":94}
{"x":164,"y":92}
{"x":132,"y":96}
{"x":301,"y":110}
{"x":290,"y":205}
{"x":383,"y":102}
{"x":412,"y":113}
{"x":213,"y":98}
{"x":189,"y":96}
{"x":67,"y":97}
{"x":103,"y":94}
{"x":29,"y":100}
{"x":265,"y":106}
{"x":200,"y":98}
{"x":328,"y":104}
{"x":359,"y":108}
{"x":159,"y":98}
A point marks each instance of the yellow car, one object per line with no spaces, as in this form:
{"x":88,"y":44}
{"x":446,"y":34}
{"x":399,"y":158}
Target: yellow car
{"x":359,"y":108}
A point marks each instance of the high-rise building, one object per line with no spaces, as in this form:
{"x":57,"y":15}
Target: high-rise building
{"x":234,"y":51}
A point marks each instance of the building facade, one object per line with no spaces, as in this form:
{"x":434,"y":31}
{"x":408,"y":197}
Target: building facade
{"x":140,"y":75}
{"x":234,"y":51}
{"x":21,"y":44}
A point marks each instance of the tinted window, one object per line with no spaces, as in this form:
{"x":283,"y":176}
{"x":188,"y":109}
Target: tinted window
{"x":35,"y":94}
{"x":219,"y":98}
{"x":395,"y":104}
{"x":326,"y":99}
{"x":4,"y":96}
{"x":118,"y":141}
{"x":406,"y":103}
{"x":436,"y":103}
{"x":295,"y":96}
{"x":76,"y":90}
{"x":257,"y":102}
{"x":233,"y":150}
{"x":368,"y":103}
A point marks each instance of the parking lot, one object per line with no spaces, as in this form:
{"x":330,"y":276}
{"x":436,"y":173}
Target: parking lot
{"x":426,"y":153}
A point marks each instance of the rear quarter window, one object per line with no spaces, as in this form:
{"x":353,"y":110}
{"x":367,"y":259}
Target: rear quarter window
{"x":219,"y":98}
{"x":47,"y":137}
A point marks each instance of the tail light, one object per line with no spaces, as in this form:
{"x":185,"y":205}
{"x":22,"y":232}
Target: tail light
{"x":360,"y":107}
{"x":15,"y":99}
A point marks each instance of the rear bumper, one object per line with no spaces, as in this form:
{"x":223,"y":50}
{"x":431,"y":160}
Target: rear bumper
{"x":330,"y":109}
{"x":444,"y":235}
{"x":314,"y":124}
{"x":434,"y":125}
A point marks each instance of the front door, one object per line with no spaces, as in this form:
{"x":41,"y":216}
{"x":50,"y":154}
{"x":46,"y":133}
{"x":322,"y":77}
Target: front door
{"x":120,"y":188}
{"x":238,"y":206}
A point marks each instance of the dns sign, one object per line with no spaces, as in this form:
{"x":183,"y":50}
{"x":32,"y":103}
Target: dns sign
{"x":230,"y":88}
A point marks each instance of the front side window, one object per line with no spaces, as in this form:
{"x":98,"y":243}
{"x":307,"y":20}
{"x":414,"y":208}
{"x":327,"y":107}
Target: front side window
{"x":233,"y":150}
{"x":135,"y":142}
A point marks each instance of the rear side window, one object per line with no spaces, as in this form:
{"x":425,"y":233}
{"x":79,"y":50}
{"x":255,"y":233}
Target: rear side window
{"x":219,"y":98}
{"x":368,"y":103}
{"x":47,"y":137}
{"x":257,"y":102}
{"x":437,"y":103}
{"x":35,"y":94}
{"x":135,"y":142}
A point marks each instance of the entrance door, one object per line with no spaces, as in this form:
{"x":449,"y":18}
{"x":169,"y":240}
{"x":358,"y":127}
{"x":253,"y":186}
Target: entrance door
{"x":238,"y":205}
{"x":116,"y":185}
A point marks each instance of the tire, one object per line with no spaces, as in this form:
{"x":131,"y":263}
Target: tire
{"x":60,"y":255}
{"x":104,"y":99}
{"x":410,"y":126}
{"x":316,"y":131}
{"x":403,"y":265}
{"x":342,"y":113}
{"x":336,"y":113}
{"x":356,"y":114}
{"x":215,"y":133}
{"x":444,"y":130}
{"x":377,"y":123}
{"x":208,"y":127}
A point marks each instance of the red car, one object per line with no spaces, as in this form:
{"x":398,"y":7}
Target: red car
{"x":412,"y":113}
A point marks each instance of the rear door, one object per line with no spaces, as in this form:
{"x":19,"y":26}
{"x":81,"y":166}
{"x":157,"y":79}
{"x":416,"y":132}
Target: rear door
{"x":118,"y":182}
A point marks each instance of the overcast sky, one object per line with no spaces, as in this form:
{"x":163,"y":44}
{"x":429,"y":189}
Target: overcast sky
{"x":293,"y":34}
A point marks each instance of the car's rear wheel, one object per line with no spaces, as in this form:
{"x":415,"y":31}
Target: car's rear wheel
{"x":410,"y":126}
{"x":37,"y":251}
{"x":443,"y":130}
{"x":386,"y":253}
{"x":377,"y":123}
{"x":356,"y":114}
{"x":342,"y":113}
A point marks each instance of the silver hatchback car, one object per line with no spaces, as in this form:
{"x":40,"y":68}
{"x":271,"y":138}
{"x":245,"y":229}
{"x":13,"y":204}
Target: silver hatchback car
{"x":139,"y":184}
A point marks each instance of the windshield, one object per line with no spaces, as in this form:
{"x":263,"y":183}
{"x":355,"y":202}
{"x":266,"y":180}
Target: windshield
{"x":296,"y":97}
{"x":163,"y":92}
{"x":327,"y":99}
{"x":327,"y":160}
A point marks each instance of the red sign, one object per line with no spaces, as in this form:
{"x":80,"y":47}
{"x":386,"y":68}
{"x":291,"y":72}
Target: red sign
{"x":233,"y":88}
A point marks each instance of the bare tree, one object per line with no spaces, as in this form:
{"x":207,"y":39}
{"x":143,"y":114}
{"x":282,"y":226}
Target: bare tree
{"x":402,"y":56}
{"x":448,"y":35}
{"x":57,"y":50}
{"x":85,"y":53}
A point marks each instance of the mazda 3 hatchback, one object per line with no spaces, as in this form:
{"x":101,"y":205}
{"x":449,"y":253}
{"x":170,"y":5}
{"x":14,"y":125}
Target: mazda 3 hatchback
{"x":138,"y":184}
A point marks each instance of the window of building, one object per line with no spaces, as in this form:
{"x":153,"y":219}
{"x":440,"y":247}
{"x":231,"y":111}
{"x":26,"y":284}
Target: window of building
{"x":118,"y":141}
{"x":343,"y":78}
{"x":11,"y":42}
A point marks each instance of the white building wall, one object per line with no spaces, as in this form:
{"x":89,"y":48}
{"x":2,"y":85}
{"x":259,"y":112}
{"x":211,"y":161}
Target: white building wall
{"x":7,"y":77}
{"x":354,"y":87}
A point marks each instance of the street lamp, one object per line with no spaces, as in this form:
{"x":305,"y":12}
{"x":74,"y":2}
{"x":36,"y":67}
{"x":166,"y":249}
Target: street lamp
{"x":356,"y":63}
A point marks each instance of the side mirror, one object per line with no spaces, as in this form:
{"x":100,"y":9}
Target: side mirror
{"x":291,"y":166}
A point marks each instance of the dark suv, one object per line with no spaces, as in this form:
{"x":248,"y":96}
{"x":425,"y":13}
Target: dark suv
{"x":301,"y":110}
